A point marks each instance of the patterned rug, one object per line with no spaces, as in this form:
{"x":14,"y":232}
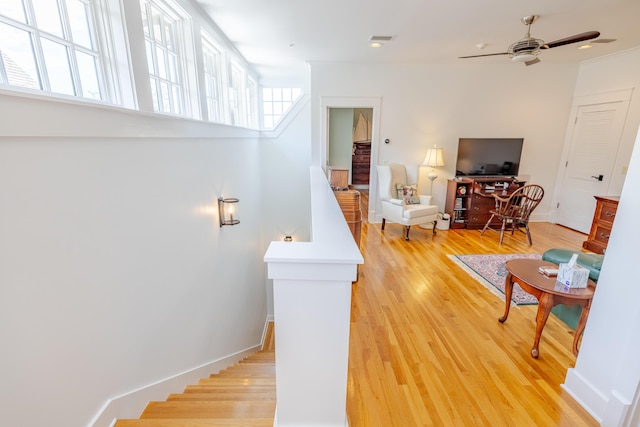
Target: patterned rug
{"x":490,"y":271}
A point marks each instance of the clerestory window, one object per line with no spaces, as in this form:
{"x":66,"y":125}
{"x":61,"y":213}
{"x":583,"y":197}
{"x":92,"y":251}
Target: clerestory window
{"x":275,"y":103}
{"x":53,"y":46}
{"x":163,"y":33}
{"x":213,"y":59}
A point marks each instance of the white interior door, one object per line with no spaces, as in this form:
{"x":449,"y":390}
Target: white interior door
{"x":592,"y":154}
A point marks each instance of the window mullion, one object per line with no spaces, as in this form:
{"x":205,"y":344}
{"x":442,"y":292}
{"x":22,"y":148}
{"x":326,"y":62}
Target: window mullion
{"x":71,"y":49}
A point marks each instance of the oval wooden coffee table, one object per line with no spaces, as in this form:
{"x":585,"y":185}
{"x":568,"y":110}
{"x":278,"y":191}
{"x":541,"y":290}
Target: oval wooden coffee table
{"x":549,"y":292}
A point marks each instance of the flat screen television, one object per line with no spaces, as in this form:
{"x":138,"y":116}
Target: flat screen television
{"x":488,"y":156}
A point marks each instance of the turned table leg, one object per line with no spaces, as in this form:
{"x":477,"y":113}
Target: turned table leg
{"x":508,"y":291}
{"x":545,"y":303}
{"x":581,"y":324}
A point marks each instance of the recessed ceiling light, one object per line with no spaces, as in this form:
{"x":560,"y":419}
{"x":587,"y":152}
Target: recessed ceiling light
{"x":585,"y":46}
{"x":375,"y":44}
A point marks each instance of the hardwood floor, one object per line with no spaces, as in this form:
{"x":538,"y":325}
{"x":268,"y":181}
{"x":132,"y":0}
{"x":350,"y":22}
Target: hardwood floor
{"x":427,"y":348}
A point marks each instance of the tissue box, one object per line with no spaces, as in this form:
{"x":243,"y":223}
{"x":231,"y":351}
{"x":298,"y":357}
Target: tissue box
{"x":573,"y":276}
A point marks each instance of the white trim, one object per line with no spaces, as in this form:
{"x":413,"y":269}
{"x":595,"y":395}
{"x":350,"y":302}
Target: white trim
{"x":592,"y":400}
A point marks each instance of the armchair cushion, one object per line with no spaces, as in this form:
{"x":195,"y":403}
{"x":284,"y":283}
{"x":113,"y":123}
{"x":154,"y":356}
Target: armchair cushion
{"x":419,"y":211}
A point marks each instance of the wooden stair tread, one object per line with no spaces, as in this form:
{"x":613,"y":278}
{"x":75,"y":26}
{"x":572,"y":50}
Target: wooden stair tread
{"x":216,"y":422}
{"x":210,"y":409}
{"x":248,"y":370}
{"x":242,"y":395}
{"x":225,"y":395}
{"x":232,"y":381}
{"x":226,"y":388}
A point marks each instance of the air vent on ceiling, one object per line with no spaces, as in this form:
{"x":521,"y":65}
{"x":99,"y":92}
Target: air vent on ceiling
{"x":380,"y":38}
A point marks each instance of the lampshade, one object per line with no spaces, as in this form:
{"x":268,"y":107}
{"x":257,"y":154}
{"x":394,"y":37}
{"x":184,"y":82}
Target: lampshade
{"x":434,"y":157}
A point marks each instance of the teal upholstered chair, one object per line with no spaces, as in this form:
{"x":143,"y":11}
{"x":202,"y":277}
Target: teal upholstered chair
{"x":570,"y":314}
{"x":592,"y":262}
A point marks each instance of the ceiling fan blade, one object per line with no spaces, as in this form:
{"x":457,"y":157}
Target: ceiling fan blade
{"x":533,"y":61}
{"x":572,"y":39}
{"x":486,"y":54}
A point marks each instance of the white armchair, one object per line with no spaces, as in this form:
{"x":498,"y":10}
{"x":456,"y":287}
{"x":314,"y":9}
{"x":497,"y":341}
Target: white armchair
{"x":395,"y":208}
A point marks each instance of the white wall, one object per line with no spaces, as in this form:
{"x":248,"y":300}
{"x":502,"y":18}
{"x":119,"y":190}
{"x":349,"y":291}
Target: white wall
{"x":114,"y":272}
{"x":424,"y":105}
{"x":607,"y":375}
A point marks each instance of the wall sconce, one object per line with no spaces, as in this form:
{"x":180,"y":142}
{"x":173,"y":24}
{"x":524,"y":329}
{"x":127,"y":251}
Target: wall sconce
{"x":288,"y":238}
{"x":228,"y":211}
{"x":434,"y":158}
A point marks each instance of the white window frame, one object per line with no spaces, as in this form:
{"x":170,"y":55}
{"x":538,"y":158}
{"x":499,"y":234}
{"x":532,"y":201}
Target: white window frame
{"x":251,"y":101}
{"x":236,"y":91}
{"x":277,"y":104}
{"x":102,"y":51}
{"x":181,"y":25}
{"x":217,"y":77}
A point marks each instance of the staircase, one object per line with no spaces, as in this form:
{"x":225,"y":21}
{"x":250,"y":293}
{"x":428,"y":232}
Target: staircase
{"x":243,"y":395}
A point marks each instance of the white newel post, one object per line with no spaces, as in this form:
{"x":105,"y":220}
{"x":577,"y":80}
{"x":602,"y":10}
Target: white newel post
{"x":312,"y":307}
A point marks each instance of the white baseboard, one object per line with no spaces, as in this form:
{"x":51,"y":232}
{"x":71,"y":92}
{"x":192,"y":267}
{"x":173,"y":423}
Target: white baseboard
{"x":583,"y":392}
{"x":618,"y":409}
{"x":132,"y":403}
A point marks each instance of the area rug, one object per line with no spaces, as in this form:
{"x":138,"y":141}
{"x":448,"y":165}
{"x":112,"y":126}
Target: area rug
{"x":490,"y":271}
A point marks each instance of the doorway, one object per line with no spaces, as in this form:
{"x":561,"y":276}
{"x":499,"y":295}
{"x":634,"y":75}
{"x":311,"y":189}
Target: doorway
{"x":589,"y":164}
{"x":350,"y":143}
{"x":372,"y":106}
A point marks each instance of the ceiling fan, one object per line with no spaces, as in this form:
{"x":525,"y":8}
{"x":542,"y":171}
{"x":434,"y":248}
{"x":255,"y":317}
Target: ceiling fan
{"x":527,"y":49}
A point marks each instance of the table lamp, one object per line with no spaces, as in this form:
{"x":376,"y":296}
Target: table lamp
{"x":433,"y":159}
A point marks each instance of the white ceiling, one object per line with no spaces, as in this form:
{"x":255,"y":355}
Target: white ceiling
{"x":279,"y":36}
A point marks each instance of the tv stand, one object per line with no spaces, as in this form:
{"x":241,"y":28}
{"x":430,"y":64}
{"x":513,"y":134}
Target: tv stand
{"x":470,"y":199}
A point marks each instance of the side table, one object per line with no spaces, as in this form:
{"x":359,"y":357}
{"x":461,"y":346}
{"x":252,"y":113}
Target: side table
{"x":549,"y":292}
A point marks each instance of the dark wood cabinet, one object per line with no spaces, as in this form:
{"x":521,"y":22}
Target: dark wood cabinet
{"x":606,"y":207}
{"x":470,"y":200}
{"x":361,"y":163}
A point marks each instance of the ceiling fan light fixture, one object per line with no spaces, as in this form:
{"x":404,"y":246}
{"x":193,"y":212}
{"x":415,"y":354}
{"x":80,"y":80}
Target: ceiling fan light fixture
{"x":523,"y":57}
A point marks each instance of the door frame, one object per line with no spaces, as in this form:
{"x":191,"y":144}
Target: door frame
{"x":327,"y":102}
{"x":623,"y":96}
